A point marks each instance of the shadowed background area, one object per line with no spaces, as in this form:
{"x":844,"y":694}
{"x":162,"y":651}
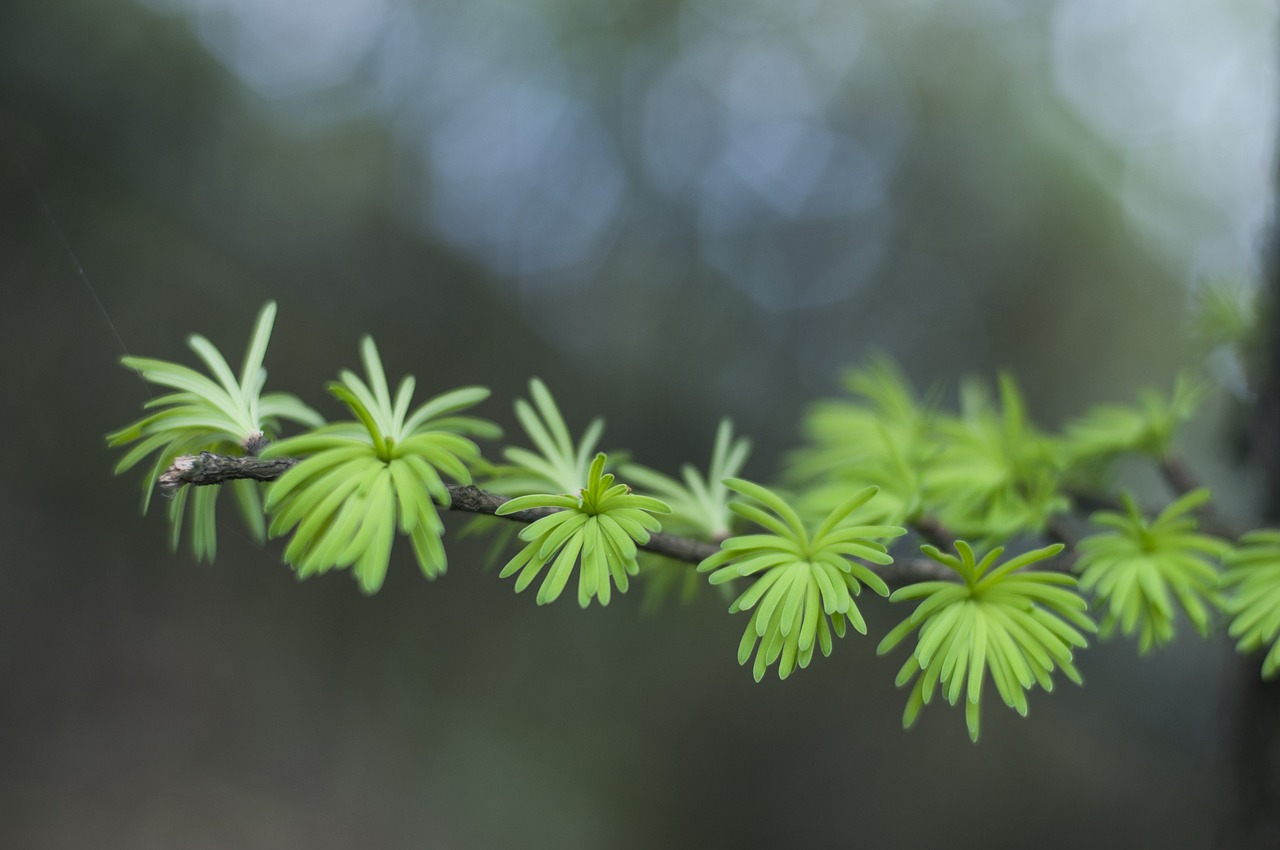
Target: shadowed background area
{"x":670,"y":212}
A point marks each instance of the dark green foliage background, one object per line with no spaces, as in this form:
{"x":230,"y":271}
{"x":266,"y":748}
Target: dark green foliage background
{"x":149,"y":702}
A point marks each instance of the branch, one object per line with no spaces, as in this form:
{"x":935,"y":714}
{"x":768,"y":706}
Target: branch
{"x":1182,"y":481}
{"x":1059,"y":529}
{"x":208,"y":468}
{"x":933,"y":531}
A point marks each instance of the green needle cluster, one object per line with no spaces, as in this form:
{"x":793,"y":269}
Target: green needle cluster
{"x":878,"y":434}
{"x":557,"y":463}
{"x":1141,"y":566}
{"x":360,"y":481}
{"x":1014,"y":627}
{"x":598,"y":529}
{"x":1253,"y":578}
{"x":804,"y":583}
{"x":699,"y":502}
{"x":225,"y":413}
{"x":1147,"y":427}
{"x":995,"y":474}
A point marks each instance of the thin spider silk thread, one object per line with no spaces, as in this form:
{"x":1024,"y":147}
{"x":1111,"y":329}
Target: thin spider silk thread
{"x":84,"y":279}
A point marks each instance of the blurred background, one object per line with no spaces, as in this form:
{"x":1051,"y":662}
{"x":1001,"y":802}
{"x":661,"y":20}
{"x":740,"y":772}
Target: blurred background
{"x":671,"y":212}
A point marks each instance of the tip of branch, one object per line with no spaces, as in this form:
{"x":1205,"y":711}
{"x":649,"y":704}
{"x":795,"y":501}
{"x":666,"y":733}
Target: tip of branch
{"x":171,"y":480}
